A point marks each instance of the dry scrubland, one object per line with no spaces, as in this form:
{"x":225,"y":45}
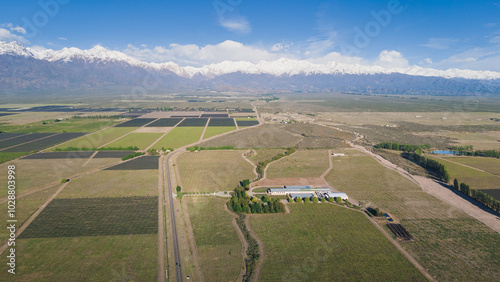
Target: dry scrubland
{"x":210,"y":171}
{"x":450,"y":244}
{"x":218,"y":245}
{"x":323,"y":242}
{"x":303,"y":163}
{"x":283,"y":135}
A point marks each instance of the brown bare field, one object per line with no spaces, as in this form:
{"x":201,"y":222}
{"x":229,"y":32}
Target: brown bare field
{"x":210,"y":171}
{"x":113,"y":183}
{"x":218,"y":246}
{"x":303,"y":163}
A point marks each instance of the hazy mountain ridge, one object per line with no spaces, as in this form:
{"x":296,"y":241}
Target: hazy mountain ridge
{"x":27,"y":69}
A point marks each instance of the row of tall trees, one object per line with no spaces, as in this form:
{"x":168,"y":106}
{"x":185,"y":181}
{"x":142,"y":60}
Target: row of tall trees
{"x":480,"y":196}
{"x":434,"y":166}
{"x":262,"y":165}
{"x":469,"y":151}
{"x":241,"y":203}
{"x":402,"y":147}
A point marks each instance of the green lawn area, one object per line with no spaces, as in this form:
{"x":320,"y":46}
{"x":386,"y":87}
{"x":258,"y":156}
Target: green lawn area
{"x":92,"y":258}
{"x":219,"y":248}
{"x":209,"y":171}
{"x":113,"y":183}
{"x":180,"y":136}
{"x":303,"y":163}
{"x":216,"y":130}
{"x":324,"y":242}
{"x":476,"y":179}
{"x":68,"y":125}
{"x":141,"y":140}
{"x":97,"y":139}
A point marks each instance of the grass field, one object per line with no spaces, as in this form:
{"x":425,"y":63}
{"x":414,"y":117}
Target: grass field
{"x":476,"y":179}
{"x":216,"y":130}
{"x":97,"y":258}
{"x":113,"y":183}
{"x":362,"y":178}
{"x":180,"y":136}
{"x":490,"y":165}
{"x":8,"y":156}
{"x":264,"y":155}
{"x":68,"y":125}
{"x":209,"y":171}
{"x":141,"y":140}
{"x":97,"y":139}
{"x":219,"y":248}
{"x":303,"y":163}
{"x":324,"y":242}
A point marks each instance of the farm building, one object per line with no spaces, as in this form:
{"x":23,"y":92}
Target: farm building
{"x":296,"y":190}
{"x":301,"y":195}
{"x":338,"y":154}
{"x":343,"y":196}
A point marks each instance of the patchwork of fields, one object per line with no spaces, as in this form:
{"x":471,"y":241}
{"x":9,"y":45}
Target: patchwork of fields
{"x":303,"y":163}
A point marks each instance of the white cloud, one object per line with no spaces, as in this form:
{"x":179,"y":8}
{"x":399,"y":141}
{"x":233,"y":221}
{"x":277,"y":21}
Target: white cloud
{"x":439,"y":43}
{"x":391,"y":59}
{"x":62,"y":38}
{"x":239,"y":25}
{"x":485,"y":58}
{"x":8,"y":36}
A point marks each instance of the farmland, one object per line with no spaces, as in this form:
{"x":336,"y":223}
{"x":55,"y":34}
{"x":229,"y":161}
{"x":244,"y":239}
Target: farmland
{"x":490,"y":165}
{"x":113,"y":183}
{"x":138,"y":122}
{"x":95,"y":217}
{"x":210,"y":171}
{"x":97,"y":139}
{"x":6,"y":143}
{"x":180,"y":136}
{"x":476,"y":179}
{"x":400,"y":197}
{"x":68,"y":125}
{"x":131,"y":257}
{"x":141,"y":140}
{"x":217,"y":243}
{"x":189,"y":122}
{"x":264,"y":155}
{"x":221,"y":122}
{"x":303,"y":163}
{"x":341,"y":244}
{"x":216,"y":130}
{"x":165,"y":122}
{"x":139,"y":163}
{"x":44,"y":143}
{"x":245,"y":123}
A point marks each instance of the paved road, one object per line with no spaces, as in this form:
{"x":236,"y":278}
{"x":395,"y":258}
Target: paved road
{"x":177,"y":256}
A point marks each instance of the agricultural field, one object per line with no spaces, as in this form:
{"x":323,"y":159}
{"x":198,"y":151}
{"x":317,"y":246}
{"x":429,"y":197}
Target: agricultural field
{"x":67,"y":125}
{"x":165,"y":122}
{"x":490,"y":165}
{"x":138,"y":163}
{"x":5,"y":157}
{"x":324,"y":242}
{"x":141,"y":140}
{"x":217,"y":243}
{"x":216,"y":130}
{"x":60,"y":155}
{"x":221,"y":122}
{"x":97,"y":139}
{"x":130,"y":257}
{"x":210,"y":171}
{"x":246,"y":123}
{"x":95,"y":217}
{"x":138,"y":122}
{"x":44,"y":143}
{"x":113,"y":183}
{"x":303,"y":163}
{"x":9,"y":142}
{"x":478,"y":180}
{"x":193,"y":122}
{"x":264,"y":155}
{"x":363,"y":178}
{"x":179,"y":137}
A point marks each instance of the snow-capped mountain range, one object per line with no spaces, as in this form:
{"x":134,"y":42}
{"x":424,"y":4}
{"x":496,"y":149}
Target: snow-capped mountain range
{"x":228,"y":74}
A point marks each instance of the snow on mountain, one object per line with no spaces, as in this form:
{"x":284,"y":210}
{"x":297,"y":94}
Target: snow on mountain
{"x":280,"y":67}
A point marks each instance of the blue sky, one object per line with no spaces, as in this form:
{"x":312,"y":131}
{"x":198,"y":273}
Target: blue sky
{"x":437,"y":34}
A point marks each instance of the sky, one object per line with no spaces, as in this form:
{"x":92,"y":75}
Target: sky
{"x":393,"y":33}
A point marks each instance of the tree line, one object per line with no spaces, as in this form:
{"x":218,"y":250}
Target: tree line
{"x":198,"y":148}
{"x":402,"y":147}
{"x":469,"y":151}
{"x":241,"y":203}
{"x":69,"y":149}
{"x":436,"y":167}
{"x":479,"y":196}
{"x":262,"y":165}
{"x":131,"y":156}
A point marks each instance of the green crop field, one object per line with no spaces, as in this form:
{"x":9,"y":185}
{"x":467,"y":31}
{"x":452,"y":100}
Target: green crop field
{"x":476,"y":179}
{"x":180,"y":136}
{"x":209,"y":171}
{"x":219,"y":248}
{"x":303,"y":163}
{"x":324,"y":242}
{"x":97,"y":258}
{"x":8,"y":156}
{"x":113,"y":183}
{"x":97,"y":139}
{"x":245,"y":118}
{"x":68,"y":125}
{"x":456,"y":249}
{"x":363,"y":178}
{"x":141,"y":140}
{"x":490,"y":165}
{"x":264,"y":155}
{"x":216,"y":130}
